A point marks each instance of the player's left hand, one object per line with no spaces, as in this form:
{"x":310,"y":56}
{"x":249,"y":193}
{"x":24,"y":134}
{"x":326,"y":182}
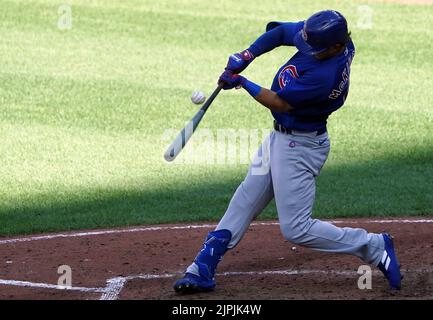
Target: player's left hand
{"x":231,"y":80}
{"x":239,"y":61}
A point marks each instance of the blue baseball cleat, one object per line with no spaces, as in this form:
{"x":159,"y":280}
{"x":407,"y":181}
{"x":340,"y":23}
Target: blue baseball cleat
{"x":191,"y":283}
{"x":389,"y":264}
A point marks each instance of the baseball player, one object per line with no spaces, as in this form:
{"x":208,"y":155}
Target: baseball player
{"x":305,"y":91}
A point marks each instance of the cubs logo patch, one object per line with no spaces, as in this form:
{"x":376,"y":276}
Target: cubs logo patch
{"x":286,"y":74}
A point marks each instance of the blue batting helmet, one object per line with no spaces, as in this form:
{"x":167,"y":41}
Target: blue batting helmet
{"x":321,"y":31}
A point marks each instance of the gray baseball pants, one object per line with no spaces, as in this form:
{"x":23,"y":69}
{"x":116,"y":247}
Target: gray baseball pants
{"x":285,"y":168}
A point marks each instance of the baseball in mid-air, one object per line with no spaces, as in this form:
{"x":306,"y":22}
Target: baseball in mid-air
{"x":198,"y":97}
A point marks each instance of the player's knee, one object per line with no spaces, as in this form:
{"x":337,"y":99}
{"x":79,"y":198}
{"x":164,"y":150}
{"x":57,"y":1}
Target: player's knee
{"x":295,"y":235}
{"x":296,"y":238}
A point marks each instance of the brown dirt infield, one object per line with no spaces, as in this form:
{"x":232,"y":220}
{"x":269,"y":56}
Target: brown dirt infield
{"x":143,"y":263}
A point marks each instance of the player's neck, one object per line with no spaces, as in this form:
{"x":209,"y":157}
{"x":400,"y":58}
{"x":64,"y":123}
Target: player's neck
{"x":330,"y":53}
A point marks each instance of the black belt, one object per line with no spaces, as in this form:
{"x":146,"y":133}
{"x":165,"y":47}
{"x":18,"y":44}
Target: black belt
{"x":285,"y":130}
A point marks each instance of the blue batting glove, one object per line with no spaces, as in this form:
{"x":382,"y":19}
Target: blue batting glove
{"x":231,"y":80}
{"x":239,"y":61}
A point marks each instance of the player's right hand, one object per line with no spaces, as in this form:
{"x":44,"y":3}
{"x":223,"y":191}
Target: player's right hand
{"x":230,"y":80}
{"x":239,"y":61}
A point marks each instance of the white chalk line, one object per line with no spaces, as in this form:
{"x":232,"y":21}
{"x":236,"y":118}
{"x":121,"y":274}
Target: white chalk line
{"x":103,"y":232}
{"x":200,"y":226}
{"x":114,"y":291}
{"x":115,"y":285}
{"x":113,"y":288}
{"x":47,"y":286}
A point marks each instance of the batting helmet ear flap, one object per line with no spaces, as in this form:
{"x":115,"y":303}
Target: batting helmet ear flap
{"x":273,"y":24}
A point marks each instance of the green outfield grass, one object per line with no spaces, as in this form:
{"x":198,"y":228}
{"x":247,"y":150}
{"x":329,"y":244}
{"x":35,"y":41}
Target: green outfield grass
{"x":83,"y":111}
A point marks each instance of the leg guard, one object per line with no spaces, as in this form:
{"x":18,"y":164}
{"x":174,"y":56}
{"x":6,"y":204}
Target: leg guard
{"x":213,"y":250}
{"x":199,"y":276}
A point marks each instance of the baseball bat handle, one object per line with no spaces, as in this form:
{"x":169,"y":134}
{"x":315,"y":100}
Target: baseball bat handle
{"x":185,"y":134}
{"x":212,"y":97}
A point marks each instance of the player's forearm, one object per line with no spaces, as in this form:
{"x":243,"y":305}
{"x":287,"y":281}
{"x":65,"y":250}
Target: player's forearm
{"x":272,"y":101}
{"x":266,"y":97}
{"x":280,"y":35}
{"x":267,"y":42}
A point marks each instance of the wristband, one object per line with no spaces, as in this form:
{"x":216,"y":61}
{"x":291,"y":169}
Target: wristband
{"x":254,"y":51}
{"x":252,"y":88}
{"x":247,"y":55}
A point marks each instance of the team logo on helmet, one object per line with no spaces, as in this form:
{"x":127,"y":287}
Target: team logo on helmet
{"x":286,"y":74}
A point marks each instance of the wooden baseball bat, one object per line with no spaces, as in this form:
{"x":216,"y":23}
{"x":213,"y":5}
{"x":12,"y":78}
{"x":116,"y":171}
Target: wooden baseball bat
{"x":182,"y":138}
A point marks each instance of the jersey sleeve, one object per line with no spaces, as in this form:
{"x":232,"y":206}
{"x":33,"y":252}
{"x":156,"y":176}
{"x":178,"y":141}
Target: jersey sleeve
{"x":279,"y":34}
{"x":304,"y":91}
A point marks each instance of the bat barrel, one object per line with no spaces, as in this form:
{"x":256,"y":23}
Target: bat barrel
{"x":181,"y":139}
